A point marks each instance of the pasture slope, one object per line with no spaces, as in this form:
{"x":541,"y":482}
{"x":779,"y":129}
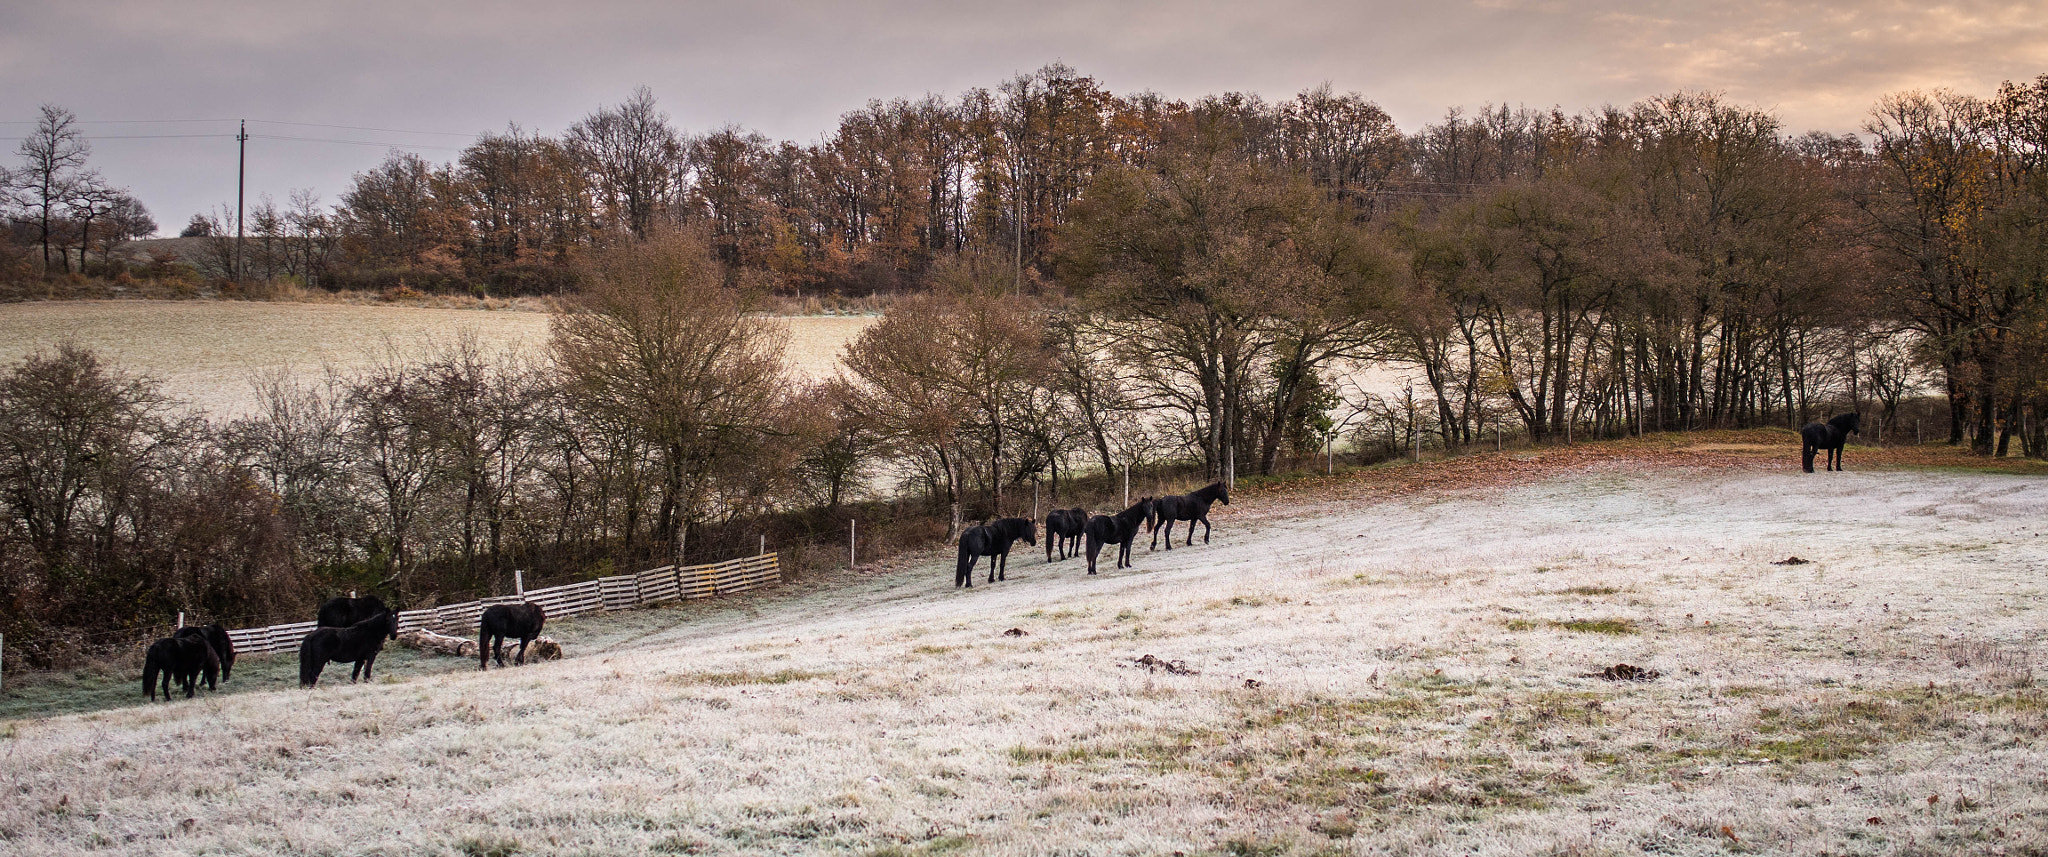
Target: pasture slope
{"x":1400,"y":661}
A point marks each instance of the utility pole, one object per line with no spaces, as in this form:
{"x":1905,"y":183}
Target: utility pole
{"x":241,"y":182}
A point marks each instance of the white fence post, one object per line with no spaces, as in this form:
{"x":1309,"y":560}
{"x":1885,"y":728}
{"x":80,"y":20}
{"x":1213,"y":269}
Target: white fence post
{"x":519,"y":582}
{"x":181,"y":620}
{"x":852,"y":542}
{"x":1127,"y":484}
{"x":764,"y":546}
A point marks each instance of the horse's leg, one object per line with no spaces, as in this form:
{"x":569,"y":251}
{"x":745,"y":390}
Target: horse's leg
{"x":1205,"y":530}
{"x":366,"y":664}
{"x":521,"y":659}
{"x":1094,"y":550}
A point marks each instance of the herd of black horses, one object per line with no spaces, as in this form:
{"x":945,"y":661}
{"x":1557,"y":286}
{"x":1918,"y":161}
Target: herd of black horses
{"x":1069,"y":527}
{"x":353,"y":630}
{"x":346,"y":631}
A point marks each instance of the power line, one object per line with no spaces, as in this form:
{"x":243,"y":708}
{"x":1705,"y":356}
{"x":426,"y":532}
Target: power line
{"x":353,"y":142}
{"x":114,"y":121}
{"x":256,"y":121}
{"x":361,"y":128}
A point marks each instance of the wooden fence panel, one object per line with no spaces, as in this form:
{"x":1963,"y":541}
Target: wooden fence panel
{"x":658,"y":585}
{"x":620,"y":592}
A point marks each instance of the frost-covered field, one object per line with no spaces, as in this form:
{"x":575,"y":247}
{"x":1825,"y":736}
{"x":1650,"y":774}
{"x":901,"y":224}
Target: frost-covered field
{"x":207,"y":352}
{"x":1400,"y":673}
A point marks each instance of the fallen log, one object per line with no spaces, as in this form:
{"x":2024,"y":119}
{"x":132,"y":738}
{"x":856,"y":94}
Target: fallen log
{"x":440,"y":644}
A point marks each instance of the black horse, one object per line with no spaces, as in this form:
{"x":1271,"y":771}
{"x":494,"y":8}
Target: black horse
{"x":357,"y":644}
{"x":343,"y":612}
{"x":1829,"y":436}
{"x":223,"y":647}
{"x":1063,"y":526}
{"x":1119,"y":529}
{"x":522,"y":620}
{"x":1190,"y":507}
{"x":992,"y":540}
{"x":210,"y":669}
{"x":179,"y":659}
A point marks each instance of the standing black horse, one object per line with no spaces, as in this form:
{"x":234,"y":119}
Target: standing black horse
{"x":210,"y":669}
{"x":343,"y":612}
{"x":1829,"y":436}
{"x":179,"y":659}
{"x":1190,"y":507}
{"x":992,"y":540}
{"x":1119,"y":529}
{"x":522,"y":620}
{"x":358,"y":644}
{"x":1063,"y":526}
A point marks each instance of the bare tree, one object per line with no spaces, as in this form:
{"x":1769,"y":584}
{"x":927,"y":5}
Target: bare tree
{"x":660,"y":344}
{"x":53,"y":166}
{"x":635,"y":158}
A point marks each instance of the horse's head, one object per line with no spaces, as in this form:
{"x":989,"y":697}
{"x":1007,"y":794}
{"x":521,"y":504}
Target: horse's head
{"x":391,"y":624}
{"x":1223,"y":493}
{"x":1855,"y":423}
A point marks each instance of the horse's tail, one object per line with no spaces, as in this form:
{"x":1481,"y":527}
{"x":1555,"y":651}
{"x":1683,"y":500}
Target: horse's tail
{"x":483,"y":646}
{"x":150,"y":667}
{"x":963,"y":569}
{"x":1806,"y":450}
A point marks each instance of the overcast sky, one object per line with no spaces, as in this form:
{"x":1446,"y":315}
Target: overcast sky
{"x":788,"y":68}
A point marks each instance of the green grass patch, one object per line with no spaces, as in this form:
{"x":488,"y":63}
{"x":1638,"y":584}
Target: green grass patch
{"x":109,"y":686}
{"x":1617,"y":627}
{"x":1519,"y":625}
{"x":946,"y":844}
{"x":1590,"y":590}
{"x":745,"y":677}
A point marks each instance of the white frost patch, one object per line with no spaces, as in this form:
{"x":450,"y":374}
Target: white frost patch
{"x":1404,"y":676}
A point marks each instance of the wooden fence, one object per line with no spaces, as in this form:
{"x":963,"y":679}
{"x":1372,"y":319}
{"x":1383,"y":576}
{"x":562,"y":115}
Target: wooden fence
{"x":622,"y":592}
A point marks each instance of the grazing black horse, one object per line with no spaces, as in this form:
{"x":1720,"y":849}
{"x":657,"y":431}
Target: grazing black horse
{"x":1829,"y":436}
{"x":358,"y":644}
{"x":522,"y":620}
{"x":209,"y":669}
{"x":1119,"y":529}
{"x":223,"y":647}
{"x":343,"y":612}
{"x":1063,"y":526}
{"x":179,"y":659}
{"x":1190,"y":507}
{"x":992,"y":540}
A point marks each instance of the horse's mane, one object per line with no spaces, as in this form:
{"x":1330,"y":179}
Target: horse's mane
{"x":1210,"y":491}
{"x":1845,"y":422}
